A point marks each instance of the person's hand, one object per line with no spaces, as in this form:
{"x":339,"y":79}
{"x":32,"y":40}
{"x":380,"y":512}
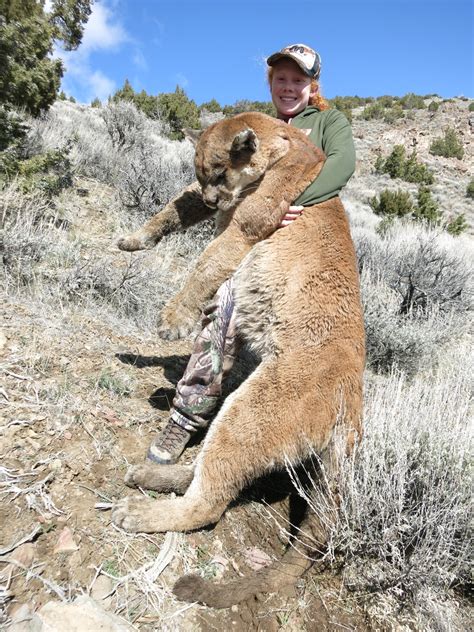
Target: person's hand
{"x":292,"y":213}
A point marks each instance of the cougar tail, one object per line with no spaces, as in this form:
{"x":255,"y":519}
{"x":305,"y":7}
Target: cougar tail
{"x":278,"y":575}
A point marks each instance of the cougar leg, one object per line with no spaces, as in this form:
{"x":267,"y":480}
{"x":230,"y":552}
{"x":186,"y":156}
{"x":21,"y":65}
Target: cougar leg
{"x":257,"y":430}
{"x":161,"y":478}
{"x":308,"y":546}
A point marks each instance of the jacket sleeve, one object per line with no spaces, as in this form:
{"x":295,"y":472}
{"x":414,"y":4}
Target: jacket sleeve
{"x":338,"y":146}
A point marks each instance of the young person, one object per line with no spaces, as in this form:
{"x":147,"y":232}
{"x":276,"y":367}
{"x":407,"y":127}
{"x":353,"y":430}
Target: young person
{"x":293,"y":75}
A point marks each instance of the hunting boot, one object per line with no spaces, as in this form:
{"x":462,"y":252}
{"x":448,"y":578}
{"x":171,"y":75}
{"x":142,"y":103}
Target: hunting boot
{"x":169,"y":444}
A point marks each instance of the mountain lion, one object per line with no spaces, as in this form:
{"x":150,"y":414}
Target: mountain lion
{"x":297,"y":303}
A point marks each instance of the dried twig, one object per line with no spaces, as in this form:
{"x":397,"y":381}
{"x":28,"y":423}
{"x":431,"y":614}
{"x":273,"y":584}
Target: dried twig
{"x":97,"y":493}
{"x":51,"y":585}
{"x":18,"y":377}
{"x":27,"y":538}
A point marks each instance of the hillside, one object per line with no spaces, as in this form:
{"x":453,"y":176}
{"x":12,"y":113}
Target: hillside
{"x":86,"y":383}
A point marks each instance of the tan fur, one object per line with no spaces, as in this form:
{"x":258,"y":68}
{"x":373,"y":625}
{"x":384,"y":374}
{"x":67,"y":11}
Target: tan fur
{"x":263,"y":183}
{"x":297,"y":302}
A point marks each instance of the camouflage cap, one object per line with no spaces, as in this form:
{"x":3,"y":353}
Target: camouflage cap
{"x":307,"y":59}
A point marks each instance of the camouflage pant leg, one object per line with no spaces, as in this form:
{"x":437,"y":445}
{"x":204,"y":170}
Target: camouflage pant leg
{"x":212,"y":358}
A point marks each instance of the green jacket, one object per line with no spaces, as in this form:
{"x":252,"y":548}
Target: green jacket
{"x":330,"y":131}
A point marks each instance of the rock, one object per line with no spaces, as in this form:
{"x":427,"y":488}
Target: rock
{"x":56,"y":465}
{"x":24,"y":555}
{"x":3,"y":340}
{"x":84,"y":615}
{"x":256,"y":559}
{"x":101,"y":589}
{"x":65,"y":543}
{"x":23,"y":619}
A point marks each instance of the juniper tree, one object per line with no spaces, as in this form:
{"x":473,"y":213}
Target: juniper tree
{"x":449,"y":146}
{"x":29,"y":77}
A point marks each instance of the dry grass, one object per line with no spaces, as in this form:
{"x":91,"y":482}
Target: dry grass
{"x":404,"y":531}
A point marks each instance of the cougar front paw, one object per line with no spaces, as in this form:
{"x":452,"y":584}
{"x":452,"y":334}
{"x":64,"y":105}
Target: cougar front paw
{"x":136,"y":241}
{"x":136,"y":514}
{"x":173,"y":324}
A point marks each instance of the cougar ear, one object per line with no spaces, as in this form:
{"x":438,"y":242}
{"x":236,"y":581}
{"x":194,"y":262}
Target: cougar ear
{"x":244,"y":144}
{"x":192,"y":134}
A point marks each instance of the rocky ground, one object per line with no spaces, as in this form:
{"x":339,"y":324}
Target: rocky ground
{"x":83,"y":391}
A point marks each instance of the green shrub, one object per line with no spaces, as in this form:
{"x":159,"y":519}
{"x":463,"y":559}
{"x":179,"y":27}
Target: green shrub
{"x":179,"y":112}
{"x":397,"y":204}
{"x":448,"y":146}
{"x":113,"y":383}
{"x":49,"y":172}
{"x":9,"y":164}
{"x":12,"y":128}
{"x":341,"y":105}
{"x":471,"y":106}
{"x":96,"y":103}
{"x":373,"y":111}
{"x":412,"y":102}
{"x":417,"y":171}
{"x":394,"y":165}
{"x":433,"y":106}
{"x":470,"y":189}
{"x":385,"y":101}
{"x":244,"y":105}
{"x":392,"y":203}
{"x":211,"y":106}
{"x":397,"y":165}
{"x":175,"y":109}
{"x":393,"y":114}
{"x":457,"y":225}
{"x":427,"y":209}
{"x":384,"y":226}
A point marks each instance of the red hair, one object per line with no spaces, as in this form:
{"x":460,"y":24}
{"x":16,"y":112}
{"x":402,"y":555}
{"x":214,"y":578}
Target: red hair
{"x":316,"y":99}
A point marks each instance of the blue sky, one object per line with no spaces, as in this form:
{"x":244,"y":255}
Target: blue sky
{"x":217,"y":48}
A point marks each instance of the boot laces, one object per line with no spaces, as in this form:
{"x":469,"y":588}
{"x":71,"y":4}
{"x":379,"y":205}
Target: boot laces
{"x":173,"y":436}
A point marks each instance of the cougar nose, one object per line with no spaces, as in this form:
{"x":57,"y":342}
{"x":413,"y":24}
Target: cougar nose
{"x":210,"y":199}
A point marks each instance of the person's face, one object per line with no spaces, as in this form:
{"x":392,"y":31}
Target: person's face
{"x":290,"y":88}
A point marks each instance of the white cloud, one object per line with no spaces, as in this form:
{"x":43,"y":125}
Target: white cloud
{"x":101,"y":86}
{"x":85,"y":83}
{"x":102,"y":32}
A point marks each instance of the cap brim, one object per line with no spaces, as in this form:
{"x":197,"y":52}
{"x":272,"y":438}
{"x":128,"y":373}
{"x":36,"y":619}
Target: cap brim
{"x":271,"y":61}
